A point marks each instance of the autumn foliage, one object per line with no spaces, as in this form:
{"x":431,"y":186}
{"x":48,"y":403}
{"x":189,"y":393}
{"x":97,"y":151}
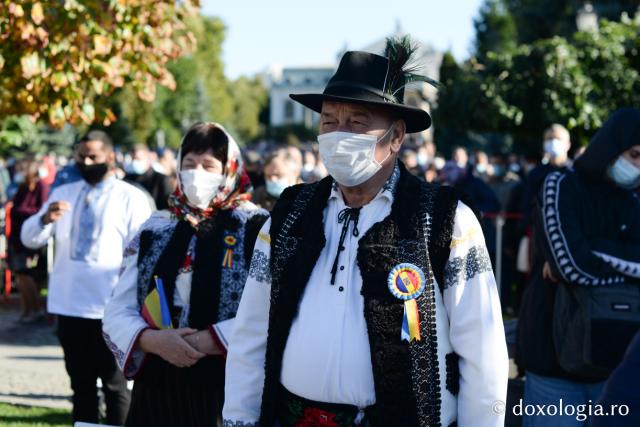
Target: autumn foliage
{"x":57,"y":56}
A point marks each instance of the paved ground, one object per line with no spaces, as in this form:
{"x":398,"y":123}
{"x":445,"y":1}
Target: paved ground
{"x":32,"y":366}
{"x":31,"y":362}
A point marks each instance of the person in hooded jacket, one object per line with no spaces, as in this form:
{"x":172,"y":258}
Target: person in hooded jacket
{"x":622,"y":389}
{"x":586,"y":233}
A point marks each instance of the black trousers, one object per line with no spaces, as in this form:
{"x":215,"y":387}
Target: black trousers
{"x":87,"y":358}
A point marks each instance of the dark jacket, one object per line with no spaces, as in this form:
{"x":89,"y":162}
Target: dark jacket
{"x":25,"y":204}
{"x":485,"y":200}
{"x":622,"y":389}
{"x":579,"y":211}
{"x":157,"y":184}
{"x":262,"y":199}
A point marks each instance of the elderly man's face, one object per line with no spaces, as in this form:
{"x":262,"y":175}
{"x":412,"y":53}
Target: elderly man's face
{"x":363,"y":119}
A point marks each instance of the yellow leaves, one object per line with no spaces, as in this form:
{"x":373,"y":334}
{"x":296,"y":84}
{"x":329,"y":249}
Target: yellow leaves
{"x":88,"y":113}
{"x":59,"y":80}
{"x":167,"y":80}
{"x":147,"y":91}
{"x":16,"y":10}
{"x":61,"y":54}
{"x":56,"y":114}
{"x":37,"y":13}
{"x":109,"y":118}
{"x":31,"y":65}
{"x":101,"y":45}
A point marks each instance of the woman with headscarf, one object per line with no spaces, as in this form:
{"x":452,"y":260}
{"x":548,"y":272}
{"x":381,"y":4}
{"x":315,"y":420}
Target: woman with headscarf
{"x":180,"y":285}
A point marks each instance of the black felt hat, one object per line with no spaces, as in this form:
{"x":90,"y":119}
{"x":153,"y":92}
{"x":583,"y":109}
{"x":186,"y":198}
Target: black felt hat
{"x":368,"y":78}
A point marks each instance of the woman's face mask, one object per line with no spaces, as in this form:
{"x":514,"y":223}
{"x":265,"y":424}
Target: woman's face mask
{"x":276,"y":187}
{"x":624,"y":173}
{"x":350,"y":157}
{"x":200,"y":186}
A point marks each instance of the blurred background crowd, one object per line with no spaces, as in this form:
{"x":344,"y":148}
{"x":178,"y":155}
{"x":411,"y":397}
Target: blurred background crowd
{"x":502,"y":187}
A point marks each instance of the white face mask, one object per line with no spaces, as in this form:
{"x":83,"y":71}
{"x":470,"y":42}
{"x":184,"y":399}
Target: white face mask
{"x":624,"y":173}
{"x":350,"y":157}
{"x":555,"y":148}
{"x":200,"y":187}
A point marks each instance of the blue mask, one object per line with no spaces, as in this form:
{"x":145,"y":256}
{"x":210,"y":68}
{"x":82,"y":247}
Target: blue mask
{"x":275,"y":188}
{"x":624,"y":173}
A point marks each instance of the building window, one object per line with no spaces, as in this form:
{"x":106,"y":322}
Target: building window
{"x":288,"y":110}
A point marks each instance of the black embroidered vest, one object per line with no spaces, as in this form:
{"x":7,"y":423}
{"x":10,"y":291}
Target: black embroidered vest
{"x":406,"y":376}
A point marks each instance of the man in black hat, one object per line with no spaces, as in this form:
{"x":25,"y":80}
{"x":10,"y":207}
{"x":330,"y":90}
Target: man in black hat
{"x":370,"y":298}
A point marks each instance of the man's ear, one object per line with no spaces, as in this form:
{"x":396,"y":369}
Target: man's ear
{"x":397,"y":135}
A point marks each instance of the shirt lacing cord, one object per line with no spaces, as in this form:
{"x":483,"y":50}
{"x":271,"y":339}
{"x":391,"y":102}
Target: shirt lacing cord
{"x":345,"y":217}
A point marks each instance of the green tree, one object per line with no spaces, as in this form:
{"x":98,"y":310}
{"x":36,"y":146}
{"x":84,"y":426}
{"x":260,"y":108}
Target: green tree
{"x":577,"y":81}
{"x":193,"y":99}
{"x":20,"y":135}
{"x":543,"y":19}
{"x":495,"y":29}
{"x":250,"y":99}
{"x":210,"y":33}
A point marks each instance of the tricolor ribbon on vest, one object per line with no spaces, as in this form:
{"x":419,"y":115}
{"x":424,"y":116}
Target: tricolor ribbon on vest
{"x":230,"y":243}
{"x":407,"y":282}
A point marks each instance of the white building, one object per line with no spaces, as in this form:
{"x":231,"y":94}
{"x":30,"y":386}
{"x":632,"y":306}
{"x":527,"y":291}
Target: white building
{"x":285,"y":111}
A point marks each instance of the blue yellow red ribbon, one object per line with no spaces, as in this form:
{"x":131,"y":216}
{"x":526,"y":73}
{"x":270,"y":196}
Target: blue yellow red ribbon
{"x":230,"y":242}
{"x":407,"y":282}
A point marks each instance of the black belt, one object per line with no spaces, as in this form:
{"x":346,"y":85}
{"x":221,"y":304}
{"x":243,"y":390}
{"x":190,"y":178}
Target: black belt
{"x":294,"y":410}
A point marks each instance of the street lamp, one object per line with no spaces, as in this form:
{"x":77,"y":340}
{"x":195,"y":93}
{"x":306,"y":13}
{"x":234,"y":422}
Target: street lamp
{"x":587,"y":18}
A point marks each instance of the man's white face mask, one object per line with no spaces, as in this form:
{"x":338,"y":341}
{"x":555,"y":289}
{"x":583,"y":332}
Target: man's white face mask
{"x":554,"y":147}
{"x":200,"y":186}
{"x":350,"y":157}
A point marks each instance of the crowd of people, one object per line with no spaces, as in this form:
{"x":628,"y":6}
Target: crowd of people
{"x":344,"y":282}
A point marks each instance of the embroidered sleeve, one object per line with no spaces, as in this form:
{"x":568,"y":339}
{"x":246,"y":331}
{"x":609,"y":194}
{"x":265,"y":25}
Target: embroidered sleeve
{"x":476,"y":331}
{"x":565,"y":246}
{"x":220,"y":332}
{"x":248,"y":341}
{"x":122,"y":324}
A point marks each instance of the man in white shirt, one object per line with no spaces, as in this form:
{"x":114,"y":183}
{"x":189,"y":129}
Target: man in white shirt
{"x":370,"y":299}
{"x":91,"y":221}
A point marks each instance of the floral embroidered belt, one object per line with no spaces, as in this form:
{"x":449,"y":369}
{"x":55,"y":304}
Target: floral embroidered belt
{"x":296,"y":411}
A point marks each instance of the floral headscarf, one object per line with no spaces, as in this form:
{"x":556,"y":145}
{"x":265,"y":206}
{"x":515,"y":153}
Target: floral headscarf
{"x":234,"y":191}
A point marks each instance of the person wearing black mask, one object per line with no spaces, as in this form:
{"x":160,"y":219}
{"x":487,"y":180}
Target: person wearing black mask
{"x":91,"y":221}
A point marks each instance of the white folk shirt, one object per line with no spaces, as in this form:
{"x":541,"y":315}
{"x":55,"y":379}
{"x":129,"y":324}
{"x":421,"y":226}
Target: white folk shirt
{"x":327,"y":357}
{"x":80,"y":287}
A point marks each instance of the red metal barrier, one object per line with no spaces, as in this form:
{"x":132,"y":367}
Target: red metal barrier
{"x":7,"y":233}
